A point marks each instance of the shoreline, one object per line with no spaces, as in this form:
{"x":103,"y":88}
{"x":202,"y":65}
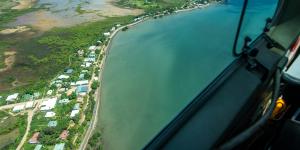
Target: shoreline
{"x":106,"y":50}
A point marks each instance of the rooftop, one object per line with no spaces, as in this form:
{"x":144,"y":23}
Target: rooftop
{"x":12,"y":97}
{"x":63,"y":76}
{"x":49,"y":104}
{"x":76,"y":106}
{"x":69,"y":71}
{"x":82,"y":82}
{"x":38,"y":147}
{"x":52,"y":123}
{"x":34,"y":138}
{"x":50,"y":114}
{"x":18,"y":108}
{"x":74,"y":113}
{"x":64,"y":134}
{"x":59,"y":146}
{"x":82,"y":89}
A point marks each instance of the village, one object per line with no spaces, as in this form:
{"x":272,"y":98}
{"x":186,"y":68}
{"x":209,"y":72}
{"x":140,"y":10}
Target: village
{"x":62,"y":115}
{"x":58,"y":117}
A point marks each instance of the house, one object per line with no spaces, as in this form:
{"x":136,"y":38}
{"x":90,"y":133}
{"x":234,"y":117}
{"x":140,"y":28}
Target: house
{"x":87,"y":64}
{"x":64,"y":101}
{"x":59,"y":146}
{"x":112,"y":29}
{"x":49,"y":92}
{"x":58,"y":85}
{"x":89,"y":59}
{"x":35,"y":138}
{"x":27,"y":97}
{"x":48,"y":104}
{"x":107,"y":34}
{"x":64,"y":134}
{"x":84,"y":71}
{"x":18,"y":108}
{"x":36,"y":95}
{"x":69,"y":71}
{"x":29,"y":105}
{"x":81,"y":77}
{"x":82,"y":82}
{"x":80,"y":52}
{"x":73,"y":83}
{"x":50,"y":114}
{"x":99,"y":43}
{"x":74,"y":113}
{"x":63,"y":77}
{"x":52,"y":123}
{"x":82,"y":90}
{"x":62,"y":90}
{"x":12,"y":98}
{"x":76,"y":106}
{"x":92,"y":48}
{"x":38,"y":147}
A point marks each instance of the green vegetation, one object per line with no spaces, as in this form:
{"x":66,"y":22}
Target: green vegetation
{"x":95,"y":142}
{"x":7,"y":122}
{"x":151,"y":6}
{"x":34,"y":65}
{"x":95,"y":85}
{"x":11,"y":139}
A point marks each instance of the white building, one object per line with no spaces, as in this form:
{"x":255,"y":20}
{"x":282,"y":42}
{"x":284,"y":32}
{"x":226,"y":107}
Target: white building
{"x":18,"y":108}
{"x":92,"y":48}
{"x":64,"y":101}
{"x":63,"y":76}
{"x":74,"y":113}
{"x":49,"y":92}
{"x":50,"y":114}
{"x":107,"y":34}
{"x":89,"y":59}
{"x":29,"y":105}
{"x":88,"y":64}
{"x":48,"y":104}
{"x":12,"y":97}
{"x":82,"y":82}
{"x":112,"y":29}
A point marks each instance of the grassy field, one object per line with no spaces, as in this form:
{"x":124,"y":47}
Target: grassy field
{"x":11,"y":130}
{"x":41,"y":58}
{"x":7,"y":123}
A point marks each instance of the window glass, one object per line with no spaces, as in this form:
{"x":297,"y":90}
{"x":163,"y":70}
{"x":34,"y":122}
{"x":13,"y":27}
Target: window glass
{"x":156,"y":68}
{"x":256,"y":15}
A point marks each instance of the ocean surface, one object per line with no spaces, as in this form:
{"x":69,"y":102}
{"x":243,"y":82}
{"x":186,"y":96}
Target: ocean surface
{"x":156,"y":68}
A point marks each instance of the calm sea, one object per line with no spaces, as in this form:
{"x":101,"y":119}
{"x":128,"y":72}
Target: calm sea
{"x":156,"y":68}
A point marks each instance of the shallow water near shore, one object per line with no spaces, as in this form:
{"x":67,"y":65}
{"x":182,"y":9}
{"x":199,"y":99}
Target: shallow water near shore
{"x":58,"y":13}
{"x":156,"y":68}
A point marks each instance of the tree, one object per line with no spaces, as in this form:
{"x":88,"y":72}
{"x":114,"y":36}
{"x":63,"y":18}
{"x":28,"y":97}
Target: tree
{"x":64,"y":96}
{"x":95,"y":85}
{"x":73,"y":96}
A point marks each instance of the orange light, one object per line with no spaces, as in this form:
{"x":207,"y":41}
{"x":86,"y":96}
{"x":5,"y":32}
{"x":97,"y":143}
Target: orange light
{"x":279,"y":108}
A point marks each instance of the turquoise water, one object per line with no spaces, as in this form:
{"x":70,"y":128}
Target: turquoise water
{"x":156,"y":68}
